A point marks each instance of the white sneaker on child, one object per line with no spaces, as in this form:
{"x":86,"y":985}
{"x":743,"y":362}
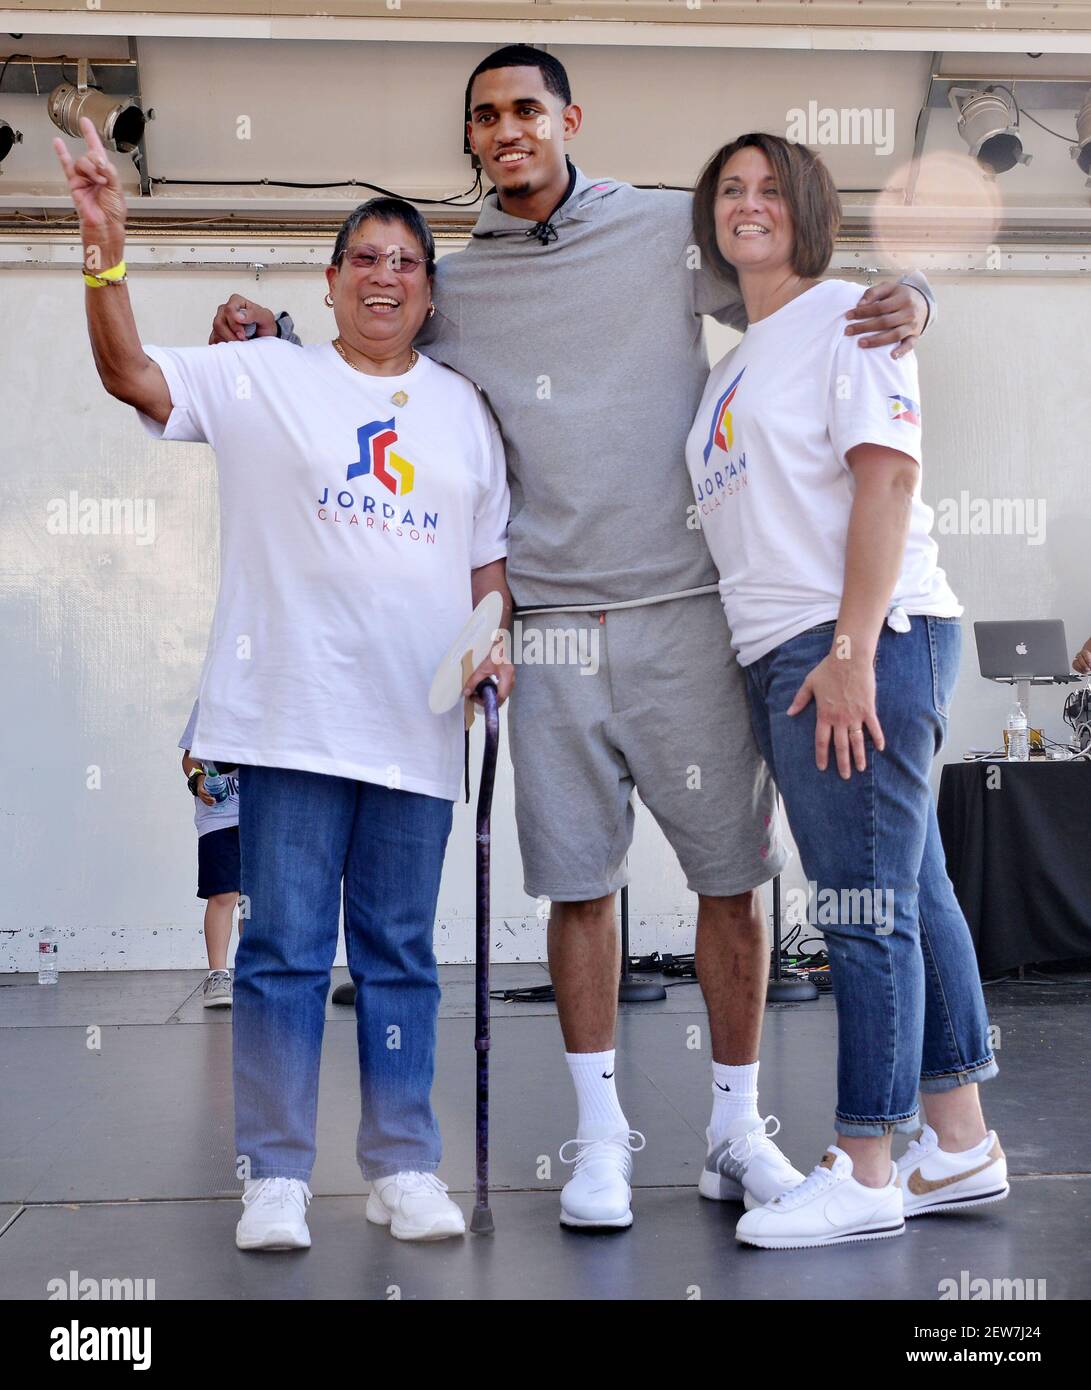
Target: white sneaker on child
{"x":216,"y":990}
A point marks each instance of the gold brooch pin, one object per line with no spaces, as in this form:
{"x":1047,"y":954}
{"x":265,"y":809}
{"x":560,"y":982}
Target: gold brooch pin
{"x":399,"y":398}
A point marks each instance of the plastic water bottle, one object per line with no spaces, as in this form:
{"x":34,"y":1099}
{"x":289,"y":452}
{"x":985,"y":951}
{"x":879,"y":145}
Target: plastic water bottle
{"x":216,"y":783}
{"x":47,"y":956}
{"x":1018,"y":736}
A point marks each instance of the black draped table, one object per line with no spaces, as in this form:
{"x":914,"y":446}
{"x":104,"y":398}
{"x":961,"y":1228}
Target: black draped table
{"x":1017,"y":837}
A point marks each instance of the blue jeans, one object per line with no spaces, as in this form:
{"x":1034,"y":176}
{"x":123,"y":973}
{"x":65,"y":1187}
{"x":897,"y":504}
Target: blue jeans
{"x":301,"y":834}
{"x":910,"y":1010}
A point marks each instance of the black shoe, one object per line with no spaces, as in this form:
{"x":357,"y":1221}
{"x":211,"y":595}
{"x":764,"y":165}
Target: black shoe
{"x":345,"y":994}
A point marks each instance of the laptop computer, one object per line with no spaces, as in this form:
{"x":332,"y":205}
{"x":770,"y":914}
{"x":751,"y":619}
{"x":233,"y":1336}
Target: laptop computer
{"x":1034,"y":650}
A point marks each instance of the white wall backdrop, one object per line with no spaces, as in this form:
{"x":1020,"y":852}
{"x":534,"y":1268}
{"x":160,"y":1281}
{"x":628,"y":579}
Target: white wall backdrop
{"x":392,"y":112}
{"x":104,"y":635}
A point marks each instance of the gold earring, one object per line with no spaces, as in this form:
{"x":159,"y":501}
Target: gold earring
{"x":329,"y":300}
{"x":431,"y":310}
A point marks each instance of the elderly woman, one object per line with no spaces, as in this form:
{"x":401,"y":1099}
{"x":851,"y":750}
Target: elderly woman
{"x":363,"y":511}
{"x":805,"y":460}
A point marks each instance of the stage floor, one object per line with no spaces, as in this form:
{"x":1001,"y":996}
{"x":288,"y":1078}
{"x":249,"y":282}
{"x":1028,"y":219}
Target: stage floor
{"x":118,"y":1161}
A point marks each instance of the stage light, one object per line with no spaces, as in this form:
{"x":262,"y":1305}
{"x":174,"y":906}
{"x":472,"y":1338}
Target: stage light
{"x":1081,"y":151}
{"x":989,"y":123}
{"x":9,"y":138}
{"x":118,"y":120}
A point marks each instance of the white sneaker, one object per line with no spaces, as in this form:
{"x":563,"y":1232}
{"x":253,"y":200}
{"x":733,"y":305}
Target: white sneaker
{"x":216,"y":990}
{"x":829,"y":1207}
{"x":747,"y":1167}
{"x":936,"y":1181}
{"x":415,"y":1206}
{"x":274,"y":1215}
{"x":598,"y":1192}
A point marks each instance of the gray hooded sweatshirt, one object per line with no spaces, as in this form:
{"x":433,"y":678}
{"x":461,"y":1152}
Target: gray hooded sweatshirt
{"x":588,"y":344}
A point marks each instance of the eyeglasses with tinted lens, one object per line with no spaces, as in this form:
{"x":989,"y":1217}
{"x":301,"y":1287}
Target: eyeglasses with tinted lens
{"x":396,"y":259}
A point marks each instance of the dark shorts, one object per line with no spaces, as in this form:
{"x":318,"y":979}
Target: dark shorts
{"x":218,"y":862}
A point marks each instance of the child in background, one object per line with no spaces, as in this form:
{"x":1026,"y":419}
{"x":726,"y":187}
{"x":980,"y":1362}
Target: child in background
{"x":217,"y":868}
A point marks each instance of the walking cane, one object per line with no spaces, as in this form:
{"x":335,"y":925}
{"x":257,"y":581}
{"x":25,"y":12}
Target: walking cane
{"x":463,"y":657}
{"x":481,"y":1222}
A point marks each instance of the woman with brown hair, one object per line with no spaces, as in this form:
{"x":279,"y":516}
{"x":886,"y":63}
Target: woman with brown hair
{"x":805,"y":461}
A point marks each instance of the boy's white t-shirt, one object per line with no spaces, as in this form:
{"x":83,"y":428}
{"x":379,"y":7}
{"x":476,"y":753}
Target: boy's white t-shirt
{"x":224,"y":814}
{"x":348,"y":529}
{"x":766,"y":456}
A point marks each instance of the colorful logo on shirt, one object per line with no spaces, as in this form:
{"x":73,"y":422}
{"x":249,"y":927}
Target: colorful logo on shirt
{"x":378,"y":457}
{"x":902,"y":408}
{"x":722,"y":433}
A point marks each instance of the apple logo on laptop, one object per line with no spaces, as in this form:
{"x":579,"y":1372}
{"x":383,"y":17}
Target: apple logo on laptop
{"x":1021,"y":648}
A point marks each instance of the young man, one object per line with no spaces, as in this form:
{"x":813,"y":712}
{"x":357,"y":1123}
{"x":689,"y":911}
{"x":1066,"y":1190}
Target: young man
{"x":577,"y":308}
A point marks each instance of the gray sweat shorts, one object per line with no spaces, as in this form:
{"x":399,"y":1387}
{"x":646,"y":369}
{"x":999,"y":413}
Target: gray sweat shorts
{"x":650,"y":698}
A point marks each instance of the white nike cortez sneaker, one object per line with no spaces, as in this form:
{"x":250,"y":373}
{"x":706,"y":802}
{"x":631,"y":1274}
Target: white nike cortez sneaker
{"x":274,"y":1215}
{"x":747,"y":1167}
{"x":936,"y":1181}
{"x":415,"y":1206}
{"x":598,"y":1192}
{"x":829,"y":1207}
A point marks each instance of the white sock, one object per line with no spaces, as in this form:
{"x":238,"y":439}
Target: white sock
{"x":600,"y":1112}
{"x":735,"y":1100}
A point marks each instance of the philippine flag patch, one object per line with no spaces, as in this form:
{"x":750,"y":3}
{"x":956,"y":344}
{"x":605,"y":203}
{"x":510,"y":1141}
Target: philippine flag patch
{"x":902,"y":408}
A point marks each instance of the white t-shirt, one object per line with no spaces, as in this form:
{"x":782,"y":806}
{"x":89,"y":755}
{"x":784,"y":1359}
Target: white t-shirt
{"x":223,"y":814}
{"x":766,"y":456}
{"x":348,"y":529}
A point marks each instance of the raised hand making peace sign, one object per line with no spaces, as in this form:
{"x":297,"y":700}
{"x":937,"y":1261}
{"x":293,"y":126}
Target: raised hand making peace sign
{"x":96,"y":192}
{"x":125,"y":369}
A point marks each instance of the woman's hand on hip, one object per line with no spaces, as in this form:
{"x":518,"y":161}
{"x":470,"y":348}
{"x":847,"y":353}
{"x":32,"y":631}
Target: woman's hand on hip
{"x":843,"y":690}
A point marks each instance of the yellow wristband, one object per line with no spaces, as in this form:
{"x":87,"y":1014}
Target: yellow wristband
{"x":115,"y":274}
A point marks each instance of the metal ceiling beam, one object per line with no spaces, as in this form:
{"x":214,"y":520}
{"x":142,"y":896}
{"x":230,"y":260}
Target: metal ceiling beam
{"x":117,"y":77}
{"x":1034,"y":93}
{"x":1014,"y":28}
{"x":919,"y":224}
{"x":258,"y":258}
